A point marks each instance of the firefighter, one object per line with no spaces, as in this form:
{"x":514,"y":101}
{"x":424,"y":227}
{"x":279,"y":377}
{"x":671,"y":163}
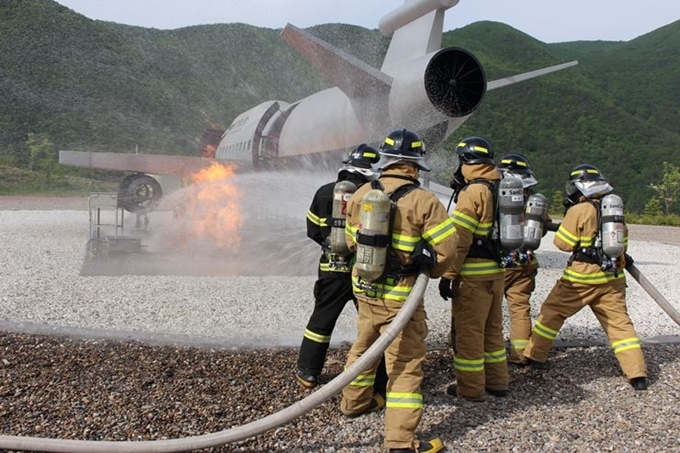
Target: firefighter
{"x":590,"y":279}
{"x":333,"y":287}
{"x":421,"y":234}
{"x":520,"y":280}
{"x":474,"y":282}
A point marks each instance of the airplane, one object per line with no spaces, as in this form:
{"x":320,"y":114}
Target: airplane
{"x":421,"y":86}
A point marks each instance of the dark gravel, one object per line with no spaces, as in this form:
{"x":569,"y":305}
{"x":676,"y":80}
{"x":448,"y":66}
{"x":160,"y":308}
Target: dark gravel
{"x":60,"y":387}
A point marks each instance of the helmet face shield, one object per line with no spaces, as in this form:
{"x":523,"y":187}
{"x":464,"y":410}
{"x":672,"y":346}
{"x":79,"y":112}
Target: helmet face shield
{"x":388,"y":160}
{"x":367,"y":172}
{"x":593,"y":188}
{"x":527,"y":178}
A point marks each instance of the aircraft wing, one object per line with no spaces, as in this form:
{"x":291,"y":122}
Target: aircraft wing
{"x":143,"y":163}
{"x":528,"y":75}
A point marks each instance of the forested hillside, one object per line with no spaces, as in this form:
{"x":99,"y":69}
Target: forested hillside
{"x":96,"y":85}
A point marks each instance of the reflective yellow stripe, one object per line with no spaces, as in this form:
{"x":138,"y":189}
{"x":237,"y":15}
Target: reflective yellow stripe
{"x":495,"y":356}
{"x":544,"y":331}
{"x":383,"y":290}
{"x":316,"y":220}
{"x":351,"y":231}
{"x":484,"y":229}
{"x":464,"y":221}
{"x":519,"y":344}
{"x":363,"y":380}
{"x":404,"y":400}
{"x":596,"y":278}
{"x":317,"y":338}
{"x":440,"y":232}
{"x":327,"y":267}
{"x":586,"y":241}
{"x":566,"y":236}
{"x":404,"y":243}
{"x":481,"y":268}
{"x":469,"y":365}
{"x":624,"y":345}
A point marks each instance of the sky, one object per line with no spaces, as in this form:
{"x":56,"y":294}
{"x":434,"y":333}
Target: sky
{"x":546,"y":20}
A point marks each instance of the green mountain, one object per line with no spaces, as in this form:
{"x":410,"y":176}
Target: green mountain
{"x":103,"y":86}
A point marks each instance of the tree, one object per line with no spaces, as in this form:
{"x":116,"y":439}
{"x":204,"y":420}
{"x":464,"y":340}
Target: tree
{"x":42,"y":155}
{"x":557,"y":201}
{"x":668,"y":191}
{"x":653,"y":207}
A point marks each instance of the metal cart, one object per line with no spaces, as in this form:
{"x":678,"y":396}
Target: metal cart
{"x":107,"y":226}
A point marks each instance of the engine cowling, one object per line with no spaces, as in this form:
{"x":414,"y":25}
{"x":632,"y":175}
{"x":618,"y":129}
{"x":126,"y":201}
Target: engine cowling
{"x":139,"y":193}
{"x":455,"y":82}
{"x":445,"y":85}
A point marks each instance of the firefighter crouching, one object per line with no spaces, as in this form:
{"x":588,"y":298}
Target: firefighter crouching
{"x":419,"y":222}
{"x":474,"y":282}
{"x":594,"y":275}
{"x":333,"y":287}
{"x":520,"y":279}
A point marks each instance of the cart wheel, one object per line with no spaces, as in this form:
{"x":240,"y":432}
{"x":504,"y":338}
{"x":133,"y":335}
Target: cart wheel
{"x":95,"y":247}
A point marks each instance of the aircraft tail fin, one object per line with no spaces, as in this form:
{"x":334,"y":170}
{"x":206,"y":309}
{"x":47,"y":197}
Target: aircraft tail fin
{"x":353,"y":76}
{"x":416,"y":29}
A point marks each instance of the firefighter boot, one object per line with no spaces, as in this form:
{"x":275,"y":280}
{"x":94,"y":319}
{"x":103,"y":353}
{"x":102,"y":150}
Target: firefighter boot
{"x":452,"y":390}
{"x":376,"y":404}
{"x":639,"y":383}
{"x":431,"y":446}
{"x":306,"y":379}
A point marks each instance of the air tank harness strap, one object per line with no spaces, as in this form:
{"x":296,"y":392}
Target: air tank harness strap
{"x":487,"y":247}
{"x":376,"y":240}
{"x":394,"y":269}
{"x":588,"y":255}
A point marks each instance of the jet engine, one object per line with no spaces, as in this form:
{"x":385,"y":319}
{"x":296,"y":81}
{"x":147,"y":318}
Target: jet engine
{"x":455,"y":82}
{"x":139,"y":193}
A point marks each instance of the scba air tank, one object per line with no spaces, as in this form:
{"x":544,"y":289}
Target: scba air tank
{"x":373,"y":237}
{"x":534,"y":216}
{"x":613,"y":226}
{"x":342,"y":191}
{"x":511,"y":213}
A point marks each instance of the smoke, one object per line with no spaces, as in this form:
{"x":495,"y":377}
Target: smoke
{"x":250,"y":225}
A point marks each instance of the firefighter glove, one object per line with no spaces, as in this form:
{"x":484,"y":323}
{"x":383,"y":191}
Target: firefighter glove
{"x":424,"y":255}
{"x":445,"y":288}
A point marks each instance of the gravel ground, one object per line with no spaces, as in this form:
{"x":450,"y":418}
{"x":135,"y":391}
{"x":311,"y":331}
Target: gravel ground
{"x":174,"y":343}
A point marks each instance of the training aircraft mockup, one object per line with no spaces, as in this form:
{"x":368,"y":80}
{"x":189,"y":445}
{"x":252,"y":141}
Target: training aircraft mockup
{"x":420,"y":86}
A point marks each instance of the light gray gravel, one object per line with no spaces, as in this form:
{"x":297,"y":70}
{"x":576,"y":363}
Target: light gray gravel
{"x":247,"y":328}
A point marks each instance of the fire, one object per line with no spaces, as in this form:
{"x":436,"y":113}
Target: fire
{"x":211,"y":208}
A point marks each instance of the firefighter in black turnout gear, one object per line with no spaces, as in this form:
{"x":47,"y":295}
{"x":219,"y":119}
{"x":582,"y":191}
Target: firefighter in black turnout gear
{"x":333,"y":288}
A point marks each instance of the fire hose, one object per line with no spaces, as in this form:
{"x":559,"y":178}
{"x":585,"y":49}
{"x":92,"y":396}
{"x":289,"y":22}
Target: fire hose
{"x":240,"y":432}
{"x":642,"y":281}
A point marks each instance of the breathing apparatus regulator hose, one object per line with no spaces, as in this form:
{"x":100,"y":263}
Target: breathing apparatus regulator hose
{"x":240,"y":432}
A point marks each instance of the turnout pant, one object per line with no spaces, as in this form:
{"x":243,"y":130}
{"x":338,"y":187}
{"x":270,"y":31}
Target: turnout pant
{"x":608,"y":303}
{"x":331,"y":294}
{"x":330,"y":297}
{"x":404,"y":359}
{"x":480,"y":359}
{"x":518,"y":288}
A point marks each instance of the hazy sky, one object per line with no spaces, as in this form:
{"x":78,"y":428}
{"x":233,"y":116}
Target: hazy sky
{"x":546,"y":20}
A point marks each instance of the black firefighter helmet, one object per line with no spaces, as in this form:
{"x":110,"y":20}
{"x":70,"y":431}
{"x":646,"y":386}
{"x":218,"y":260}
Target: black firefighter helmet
{"x":403,"y":145}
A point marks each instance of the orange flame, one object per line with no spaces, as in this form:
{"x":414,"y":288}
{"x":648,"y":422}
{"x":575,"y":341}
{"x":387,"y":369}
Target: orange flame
{"x":211,"y":207}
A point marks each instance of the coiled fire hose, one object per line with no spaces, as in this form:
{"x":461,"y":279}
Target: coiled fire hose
{"x":240,"y":432}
